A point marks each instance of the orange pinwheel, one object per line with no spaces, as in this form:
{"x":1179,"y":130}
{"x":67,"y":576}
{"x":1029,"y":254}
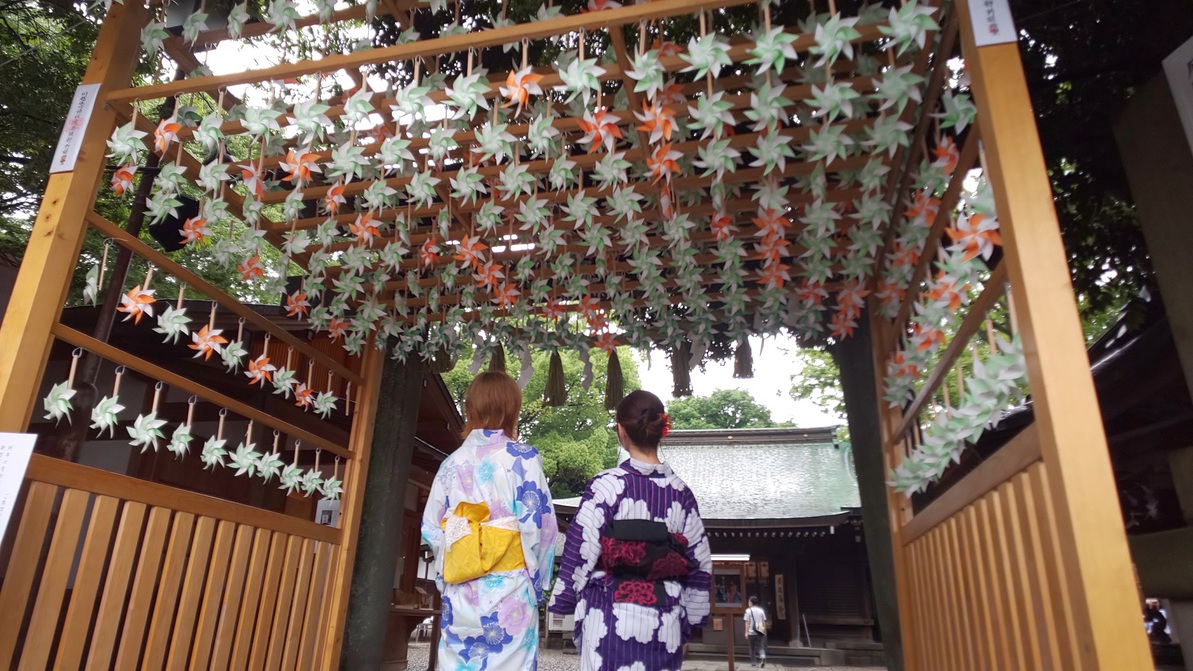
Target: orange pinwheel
{"x":297,"y":304}
{"x":122,"y":179}
{"x":195,"y":229}
{"x":657,"y":120}
{"x":206,"y":342}
{"x":945,"y":290}
{"x":666,"y":49}
{"x":505,"y":295}
{"x":303,"y":396}
{"x":364,"y":229}
{"x":165,"y":133}
{"x":663,"y":162}
{"x":600,"y":128}
{"x":428,"y":254}
{"x":489,"y":276}
{"x":947,"y":155}
{"x":471,"y":252}
{"x":299,"y":166}
{"x":607,"y":342}
{"x":902,"y":256}
{"x":137,"y":303}
{"x":251,"y":269}
{"x":901,"y":367}
{"x":927,"y":337}
{"x":334,"y":199}
{"x":812,"y":293}
{"x":260,"y":371}
{"x":774,"y":275}
{"x":336,"y":328}
{"x":519,"y":86}
{"x":842,"y":324}
{"x":552,"y":310}
{"x":722,"y":226}
{"x":601,"y":5}
{"x":251,"y":176}
{"x":977,"y":234}
{"x":924,"y":205}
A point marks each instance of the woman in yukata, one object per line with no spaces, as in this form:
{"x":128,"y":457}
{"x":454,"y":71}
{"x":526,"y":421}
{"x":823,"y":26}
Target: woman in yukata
{"x":490,"y":522}
{"x":636,"y":568}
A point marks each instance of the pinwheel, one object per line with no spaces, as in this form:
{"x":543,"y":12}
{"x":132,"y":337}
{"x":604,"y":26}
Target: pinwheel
{"x":268,"y":466}
{"x":358,"y":106}
{"x":171,"y":178}
{"x":975,"y":235}
{"x":146,"y":431}
{"x":716,"y":159}
{"x":600,"y":129}
{"x":282,"y":14}
{"x":662,"y":164}
{"x":896,"y":87}
{"x":103,"y":414}
{"x":468,"y":185}
{"x":707,"y":55}
{"x":153,"y":36}
{"x":347,"y":163}
{"x":828,"y":143}
{"x":601,"y":5}
{"x":579,"y":208}
{"x":212,"y":176}
{"x":909,"y":25}
{"x":411,"y":102}
{"x":250,"y":175}
{"x":237,"y":17}
{"x":958,"y":111}
{"x":887,"y":134}
{"x":332,"y":200}
{"x":657,"y":120}
{"x":771,"y":151}
{"x":833,"y":100}
{"x":311,"y":482}
{"x":647,"y":73}
{"x":172,"y":323}
{"x":251,"y":268}
{"x":300,"y":166}
{"x":563,"y":174}
{"x":421,"y":188}
{"x":125,"y":145}
{"x":768,"y":107}
{"x":258,"y":121}
{"x":260,"y":371}
{"x":180,"y":440}
{"x":194,"y":22}
{"x":623,"y":203}
{"x":493,"y":141}
{"x":834,"y":38}
{"x":162,"y":205}
{"x":364,"y":229}
{"x":771,"y":50}
{"x":290,"y":480}
{"x":946,"y":155}
{"x":534,"y":214}
{"x":395,"y":155}
{"x":137,"y":303}
{"x":325,"y":403}
{"x":515,"y":181}
{"x":207,"y":341}
{"x":468,"y":93}
{"x":244,"y":459}
{"x":711,"y":115}
{"x":519,"y":86}
{"x":122,"y":179}
{"x":580,"y":79}
{"x":611,"y":170}
{"x":57,"y":402}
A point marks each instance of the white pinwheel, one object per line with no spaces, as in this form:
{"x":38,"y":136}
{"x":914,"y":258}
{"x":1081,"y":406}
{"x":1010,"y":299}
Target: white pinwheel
{"x":325,"y":403}
{"x":311,"y":120}
{"x":244,"y":459}
{"x":767,"y":106}
{"x":468,"y":93}
{"x":493,"y":141}
{"x":293,"y":206}
{"x":647,"y":73}
{"x":579,"y":208}
{"x":896,"y":87}
{"x":611,"y":170}
{"x":711,"y":115}
{"x":104,"y":415}
{"x":909,"y":25}
{"x":146,"y":431}
{"x":348,"y":162}
{"x":534,"y":214}
{"x":378,"y":195}
{"x":581,"y":78}
{"x":772,"y":49}
{"x":707,"y":55}
{"x":771,"y":152}
{"x":358,"y":107}
{"x":284,"y":381}
{"x":311,"y":480}
{"x":125,"y":145}
{"x":290,"y":480}
{"x":833,"y":100}
{"x":468,"y":185}
{"x":563,"y":174}
{"x":282,"y":14}
{"x":258,"y":121}
{"x":395,"y":154}
{"x":171,"y":177}
{"x":269,"y":465}
{"x":172,"y":323}
{"x":212,"y":175}
{"x":213,"y":453}
{"x":541,"y":134}
{"x":153,"y":36}
{"x":57,"y":402}
{"x":180,"y":440}
{"x":887,"y":134}
{"x":232,"y":355}
{"x":421,"y":188}
{"x":624,"y":203}
{"x":515,"y":180}
{"x":834,"y":38}
{"x":331,"y":489}
{"x":717,"y":158}
{"x":411,"y":102}
{"x":162,"y":205}
{"x":208,"y":132}
{"x":441,"y":143}
{"x":827,"y":144}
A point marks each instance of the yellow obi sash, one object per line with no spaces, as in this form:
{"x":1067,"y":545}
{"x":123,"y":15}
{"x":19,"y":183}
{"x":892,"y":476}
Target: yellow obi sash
{"x":478,"y":546}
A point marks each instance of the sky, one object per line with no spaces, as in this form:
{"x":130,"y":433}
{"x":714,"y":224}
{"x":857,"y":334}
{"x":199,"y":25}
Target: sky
{"x":774,"y":364}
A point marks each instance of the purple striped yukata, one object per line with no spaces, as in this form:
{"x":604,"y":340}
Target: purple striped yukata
{"x":615,"y":630}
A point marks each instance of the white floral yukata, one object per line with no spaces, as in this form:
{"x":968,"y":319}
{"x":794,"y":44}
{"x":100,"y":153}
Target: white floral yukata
{"x":491,"y":623}
{"x":633,"y":624}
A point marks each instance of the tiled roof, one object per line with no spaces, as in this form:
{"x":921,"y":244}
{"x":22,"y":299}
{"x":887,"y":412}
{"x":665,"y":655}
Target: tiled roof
{"x":762,"y":474}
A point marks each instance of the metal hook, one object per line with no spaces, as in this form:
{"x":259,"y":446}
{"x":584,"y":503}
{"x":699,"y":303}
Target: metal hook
{"x":78,"y":352}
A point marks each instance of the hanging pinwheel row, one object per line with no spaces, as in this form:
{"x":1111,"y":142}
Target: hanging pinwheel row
{"x":527,"y":203}
{"x":149,"y":431}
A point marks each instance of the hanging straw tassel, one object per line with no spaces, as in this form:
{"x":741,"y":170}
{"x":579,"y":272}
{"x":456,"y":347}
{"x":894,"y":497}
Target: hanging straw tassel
{"x":681,"y":372}
{"x":497,"y":362}
{"x":614,"y":382}
{"x":743,"y":361}
{"x":556,"y":394}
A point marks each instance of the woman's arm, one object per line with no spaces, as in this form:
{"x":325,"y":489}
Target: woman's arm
{"x":433,"y":515}
{"x":696,"y":586}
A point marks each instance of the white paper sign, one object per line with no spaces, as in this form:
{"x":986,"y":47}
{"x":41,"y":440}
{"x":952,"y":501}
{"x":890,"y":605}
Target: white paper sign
{"x":15,"y":449}
{"x":1178,"y":68}
{"x":72,"y":131}
{"x":992,"y":22}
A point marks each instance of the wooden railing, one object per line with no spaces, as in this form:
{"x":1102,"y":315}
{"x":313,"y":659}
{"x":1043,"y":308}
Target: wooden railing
{"x":162,"y":578}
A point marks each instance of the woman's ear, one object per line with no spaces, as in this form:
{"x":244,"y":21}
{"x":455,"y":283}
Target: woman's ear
{"x":621,"y":434}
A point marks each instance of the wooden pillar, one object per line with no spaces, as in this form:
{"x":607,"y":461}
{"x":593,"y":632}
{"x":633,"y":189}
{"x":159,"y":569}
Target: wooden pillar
{"x":51,"y":256}
{"x":382,"y":514}
{"x":1097,"y":564}
{"x":859,"y":384}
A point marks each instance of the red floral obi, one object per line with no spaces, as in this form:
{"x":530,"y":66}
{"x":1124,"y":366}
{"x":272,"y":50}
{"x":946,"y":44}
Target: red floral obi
{"x":638,"y":555}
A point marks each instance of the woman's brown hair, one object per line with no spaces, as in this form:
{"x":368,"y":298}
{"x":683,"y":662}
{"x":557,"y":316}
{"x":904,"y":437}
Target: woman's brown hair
{"x":641,"y":415}
{"x":493,"y":401}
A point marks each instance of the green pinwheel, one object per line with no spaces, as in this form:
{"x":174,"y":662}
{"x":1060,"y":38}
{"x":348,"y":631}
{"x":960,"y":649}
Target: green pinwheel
{"x":213,"y":453}
{"x":563,"y":174}
{"x":772,"y":49}
{"x":611,"y":170}
{"x":647,"y":73}
{"x":716,"y":159}
{"x":244,"y":459}
{"x":411,"y":102}
{"x":541,"y":134}
{"x":581,"y":78}
{"x":191,"y":26}
{"x":828,"y":143}
{"x":331,"y":489}
{"x":896,"y":87}
{"x":579,"y":208}
{"x":348,"y":162}
{"x":468,"y":185}
{"x":887,"y":134}
{"x":146,"y":431}
{"x":959,"y":111}
{"x":57,"y":403}
{"x":833,"y":101}
{"x":515,"y":181}
{"x":441,"y":143}
{"x":767,"y":106}
{"x":125,"y":145}
{"x":91,"y":285}
{"x":171,"y":178}
{"x":258,"y":121}
{"x":311,"y":480}
{"x":834,"y":38}
{"x":103,"y":415}
{"x":421,"y":188}
{"x":237,"y":17}
{"x":711,"y":115}
{"x":282,"y":14}
{"x":358,"y":107}
{"x":212,"y":176}
{"x":290,"y":480}
{"x":707,"y":55}
{"x":378,"y":195}
{"x":284,"y":380}
{"x":232,"y":355}
{"x":771,"y":152}
{"x":493,"y":141}
{"x":269,"y":465}
{"x":180,"y":441}
{"x":153,"y":36}
{"x":468,"y":93}
{"x":325,"y":403}
{"x":395,"y":155}
{"x":909,"y":25}
{"x":534,"y":213}
{"x":624,"y":203}
{"x":311,"y":120}
{"x":293,"y":206}
{"x":162,"y":205}
{"x":172,"y":323}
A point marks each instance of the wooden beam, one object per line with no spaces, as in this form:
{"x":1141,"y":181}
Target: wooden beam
{"x":51,"y":257}
{"x":1096,"y":560}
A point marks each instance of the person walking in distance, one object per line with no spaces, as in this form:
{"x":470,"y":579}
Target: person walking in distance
{"x":755,"y":621}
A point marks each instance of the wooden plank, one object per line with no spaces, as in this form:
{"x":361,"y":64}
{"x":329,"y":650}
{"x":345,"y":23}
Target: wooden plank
{"x":1096,"y":559}
{"x":978,"y":598}
{"x":352,"y":500}
{"x":989,"y":567}
{"x":22,"y":566}
{"x":917,"y":562}
{"x":427,"y":49}
{"x":298,"y":605}
{"x":1007,"y":593}
{"x":85,"y":590}
{"x":213,"y":591}
{"x":279,"y":553}
{"x":275,"y":642}
{"x":132,"y":634}
{"x":957,"y":565}
{"x":165,"y":606}
{"x":1034,"y":561}
{"x":50,"y":258}
{"x":950,"y":623}
{"x":254,"y":582}
{"x":1068,"y":655}
{"x":324,"y":642}
{"x":225,"y":634}
{"x":197,"y":283}
{"x":1021,"y":584}
{"x":311,"y":630}
{"x":120,"y":569}
{"x":65,"y":474}
{"x":1016,"y":456}
{"x":152,"y":370}
{"x":192,"y":592}
{"x":39,"y":639}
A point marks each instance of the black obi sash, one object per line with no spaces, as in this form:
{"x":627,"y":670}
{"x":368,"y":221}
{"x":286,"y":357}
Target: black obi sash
{"x":638,"y":555}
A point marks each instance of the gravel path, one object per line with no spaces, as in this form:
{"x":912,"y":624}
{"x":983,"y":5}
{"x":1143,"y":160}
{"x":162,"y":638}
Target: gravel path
{"x":558,"y":660}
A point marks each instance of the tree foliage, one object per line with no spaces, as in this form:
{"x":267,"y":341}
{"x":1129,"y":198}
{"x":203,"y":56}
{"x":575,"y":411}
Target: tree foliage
{"x":819,"y":381}
{"x":722,"y":409}
{"x":576,"y":440}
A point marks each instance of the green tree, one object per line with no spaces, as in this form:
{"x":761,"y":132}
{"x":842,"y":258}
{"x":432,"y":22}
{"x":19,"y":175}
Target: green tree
{"x":818,"y":381}
{"x":722,"y":409}
{"x":576,"y":440}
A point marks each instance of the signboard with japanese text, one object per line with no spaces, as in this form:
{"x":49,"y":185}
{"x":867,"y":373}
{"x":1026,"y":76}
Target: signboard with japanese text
{"x":15,"y":450}
{"x":76,"y":125}
{"x":992,"y":22}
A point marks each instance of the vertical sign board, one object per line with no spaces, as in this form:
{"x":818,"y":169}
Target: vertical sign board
{"x":1178,"y":68}
{"x":780,"y":598}
{"x":992,"y":22}
{"x":15,"y":450}
{"x":72,"y":131}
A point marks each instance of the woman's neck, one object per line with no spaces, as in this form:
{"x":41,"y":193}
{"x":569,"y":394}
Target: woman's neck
{"x":645,"y":455}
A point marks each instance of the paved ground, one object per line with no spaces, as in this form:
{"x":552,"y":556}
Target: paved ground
{"x":557,"y":660}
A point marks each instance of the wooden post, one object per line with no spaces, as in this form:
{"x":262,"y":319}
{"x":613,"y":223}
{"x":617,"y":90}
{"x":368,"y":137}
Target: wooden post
{"x":50,"y":258}
{"x":731,"y":627}
{"x":1097,"y":563}
{"x":354,"y":483}
{"x":382,"y":513}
